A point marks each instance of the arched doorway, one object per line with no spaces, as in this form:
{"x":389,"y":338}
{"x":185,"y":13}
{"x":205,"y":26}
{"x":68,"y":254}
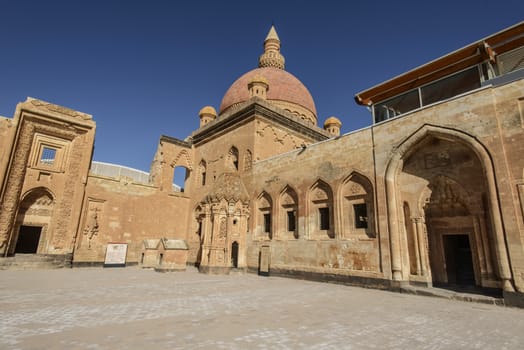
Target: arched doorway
{"x":441,"y":191}
{"x":455,"y":244}
{"x":32,"y":224}
{"x":234,"y":254}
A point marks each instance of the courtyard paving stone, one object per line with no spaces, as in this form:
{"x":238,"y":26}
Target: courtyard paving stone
{"x":131,"y":308}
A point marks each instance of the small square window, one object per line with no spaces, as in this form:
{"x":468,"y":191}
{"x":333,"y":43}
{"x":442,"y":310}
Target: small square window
{"x":361,"y":215}
{"x":48,"y":156}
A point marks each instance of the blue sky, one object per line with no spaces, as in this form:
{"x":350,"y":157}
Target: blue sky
{"x":145,"y":68}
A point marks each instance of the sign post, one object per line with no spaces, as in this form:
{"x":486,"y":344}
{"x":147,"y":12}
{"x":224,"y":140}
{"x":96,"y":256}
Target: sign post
{"x":116,"y":255}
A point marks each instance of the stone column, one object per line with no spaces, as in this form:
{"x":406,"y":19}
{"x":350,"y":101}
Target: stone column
{"x":393,"y":218}
{"x":416,"y":244}
{"x":498,"y":236}
{"x":422,"y":248}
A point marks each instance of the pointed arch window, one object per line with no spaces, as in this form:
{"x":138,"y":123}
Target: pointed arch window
{"x":248,"y":160}
{"x":264,"y":216}
{"x":357,"y":206}
{"x":288,"y":214}
{"x":232,"y":158}
{"x":320,"y":216}
{"x":202,"y":169}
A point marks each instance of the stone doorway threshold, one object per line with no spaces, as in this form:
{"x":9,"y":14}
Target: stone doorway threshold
{"x":475,"y":296}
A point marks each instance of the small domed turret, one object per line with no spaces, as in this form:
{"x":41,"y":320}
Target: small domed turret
{"x":332,"y":125}
{"x":258,"y":86}
{"x":207,"y":114}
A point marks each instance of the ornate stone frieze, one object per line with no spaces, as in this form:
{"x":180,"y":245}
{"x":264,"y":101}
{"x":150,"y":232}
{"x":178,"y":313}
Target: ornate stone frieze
{"x":15,"y":180}
{"x":46,"y":106}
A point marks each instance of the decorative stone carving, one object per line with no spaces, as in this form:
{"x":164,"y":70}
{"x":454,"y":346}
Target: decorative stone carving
{"x":287,"y":199}
{"x":227,"y":186}
{"x":91,"y":227}
{"x":183,"y":159}
{"x":65,"y":207}
{"x":223,"y":229}
{"x":263,"y":202}
{"x":355,"y":189}
{"x":320,"y":195}
{"x":15,"y":180}
{"x":232,"y":159}
{"x":446,"y":198}
{"x":248,"y":160}
{"x":59,"y":109}
{"x":29,"y":125}
{"x":38,"y":203}
{"x":279,"y":136}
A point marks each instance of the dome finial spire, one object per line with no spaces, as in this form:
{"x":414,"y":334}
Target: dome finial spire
{"x":272,"y":56}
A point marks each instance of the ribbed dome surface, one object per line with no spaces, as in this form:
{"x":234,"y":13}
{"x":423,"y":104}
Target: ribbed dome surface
{"x":283,"y":86}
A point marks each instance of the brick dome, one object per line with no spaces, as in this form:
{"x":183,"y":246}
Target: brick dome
{"x":283,"y":87}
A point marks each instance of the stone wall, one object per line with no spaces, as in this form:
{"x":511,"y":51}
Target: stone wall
{"x":123,"y":211}
{"x":340,"y":169}
{"x":487,"y":124}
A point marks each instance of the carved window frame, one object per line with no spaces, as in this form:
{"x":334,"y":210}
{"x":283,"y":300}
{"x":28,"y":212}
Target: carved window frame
{"x":321,"y":201}
{"x":288,"y":211}
{"x":265,"y":212}
{"x":41,"y":143}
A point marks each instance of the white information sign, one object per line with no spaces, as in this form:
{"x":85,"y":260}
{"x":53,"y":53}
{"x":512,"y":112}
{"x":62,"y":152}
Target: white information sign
{"x":116,"y":255}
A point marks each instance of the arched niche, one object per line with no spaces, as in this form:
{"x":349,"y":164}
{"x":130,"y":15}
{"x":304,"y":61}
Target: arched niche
{"x":264,"y":217}
{"x":358,"y":209}
{"x":32,"y":227}
{"x":320,"y":211}
{"x":288,"y":214}
{"x":446,"y":177}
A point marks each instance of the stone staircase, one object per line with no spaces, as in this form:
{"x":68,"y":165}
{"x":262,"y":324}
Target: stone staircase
{"x":478,"y":296}
{"x":36,"y":261}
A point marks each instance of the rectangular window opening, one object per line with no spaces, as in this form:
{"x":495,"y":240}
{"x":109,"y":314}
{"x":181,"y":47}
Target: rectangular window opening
{"x":361,"y":215}
{"x":48,"y":156}
{"x":291,"y":220}
{"x":324,"y":218}
{"x":267,"y":223}
{"x":396,"y":106}
{"x":453,"y":85}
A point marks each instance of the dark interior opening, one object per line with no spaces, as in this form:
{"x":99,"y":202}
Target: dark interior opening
{"x":28,"y":238}
{"x":234,"y":255}
{"x":459,"y":263}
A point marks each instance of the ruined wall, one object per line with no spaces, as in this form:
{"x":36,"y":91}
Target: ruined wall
{"x":122,"y":211}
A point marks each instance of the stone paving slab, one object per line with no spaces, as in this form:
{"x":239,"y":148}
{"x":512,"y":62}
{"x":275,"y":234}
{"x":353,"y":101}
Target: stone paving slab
{"x":130,"y":308}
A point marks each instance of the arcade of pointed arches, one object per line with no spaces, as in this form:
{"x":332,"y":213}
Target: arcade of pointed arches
{"x":346,"y":213}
